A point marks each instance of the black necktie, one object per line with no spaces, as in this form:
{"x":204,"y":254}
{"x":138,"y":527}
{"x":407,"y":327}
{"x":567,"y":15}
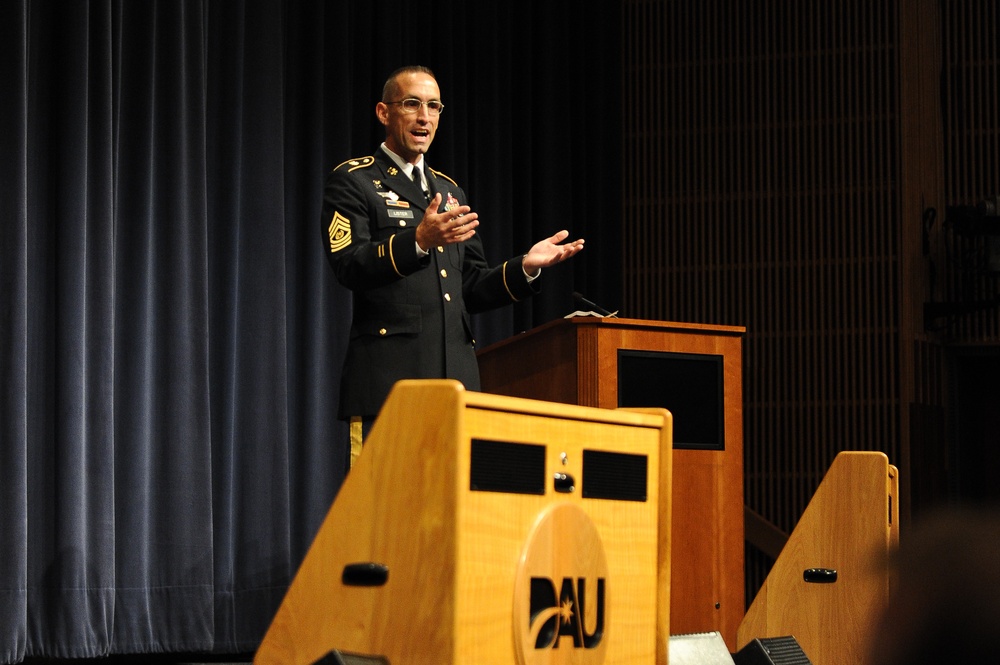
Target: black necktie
{"x":415,"y":175}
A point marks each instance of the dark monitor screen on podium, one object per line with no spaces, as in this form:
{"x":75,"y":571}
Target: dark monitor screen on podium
{"x":689,"y":385}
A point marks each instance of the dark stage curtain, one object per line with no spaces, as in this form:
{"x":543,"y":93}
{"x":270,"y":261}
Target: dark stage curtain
{"x":171,"y":335}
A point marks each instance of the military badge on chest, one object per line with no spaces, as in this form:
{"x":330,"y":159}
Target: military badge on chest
{"x":392,"y":199}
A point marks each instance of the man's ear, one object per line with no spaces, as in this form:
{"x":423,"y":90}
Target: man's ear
{"x":382,"y":111}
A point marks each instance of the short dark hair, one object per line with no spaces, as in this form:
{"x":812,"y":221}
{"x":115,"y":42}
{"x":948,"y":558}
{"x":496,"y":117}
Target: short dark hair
{"x":391,"y":88}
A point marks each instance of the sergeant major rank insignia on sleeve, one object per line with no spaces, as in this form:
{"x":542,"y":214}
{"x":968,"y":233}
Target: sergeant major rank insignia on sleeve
{"x":340,"y":232}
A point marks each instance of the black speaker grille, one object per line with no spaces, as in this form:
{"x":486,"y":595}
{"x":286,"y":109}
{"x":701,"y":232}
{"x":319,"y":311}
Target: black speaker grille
{"x":500,"y":466}
{"x":783,"y":650}
{"x":617,"y":476}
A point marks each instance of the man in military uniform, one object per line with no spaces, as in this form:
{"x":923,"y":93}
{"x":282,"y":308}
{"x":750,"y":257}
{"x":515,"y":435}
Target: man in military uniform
{"x":402,"y":237}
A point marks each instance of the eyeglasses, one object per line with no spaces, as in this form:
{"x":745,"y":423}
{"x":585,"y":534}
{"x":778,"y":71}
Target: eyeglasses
{"x":412,"y":105}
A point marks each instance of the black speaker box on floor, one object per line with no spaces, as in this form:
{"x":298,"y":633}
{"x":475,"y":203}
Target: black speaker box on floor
{"x":772,"y":651}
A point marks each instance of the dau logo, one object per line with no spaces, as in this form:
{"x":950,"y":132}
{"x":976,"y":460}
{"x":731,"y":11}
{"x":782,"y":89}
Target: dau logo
{"x":561,"y":593}
{"x":553,"y":617}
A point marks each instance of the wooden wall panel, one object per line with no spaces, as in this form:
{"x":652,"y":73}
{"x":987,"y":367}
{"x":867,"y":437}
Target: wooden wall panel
{"x":761,"y":180}
{"x":970,"y":267}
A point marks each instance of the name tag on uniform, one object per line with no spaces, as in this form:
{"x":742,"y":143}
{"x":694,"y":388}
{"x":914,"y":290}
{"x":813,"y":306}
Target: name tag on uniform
{"x":401,"y":214}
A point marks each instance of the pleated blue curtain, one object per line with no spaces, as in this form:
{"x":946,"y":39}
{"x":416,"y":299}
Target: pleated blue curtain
{"x":170,"y":333}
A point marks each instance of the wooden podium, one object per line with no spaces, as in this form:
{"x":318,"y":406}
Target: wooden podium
{"x":483,"y":529}
{"x":693,"y":370}
{"x":830,"y":584}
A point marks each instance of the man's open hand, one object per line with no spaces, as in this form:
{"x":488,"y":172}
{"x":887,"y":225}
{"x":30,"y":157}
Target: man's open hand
{"x":549,"y":252}
{"x":445,"y":228}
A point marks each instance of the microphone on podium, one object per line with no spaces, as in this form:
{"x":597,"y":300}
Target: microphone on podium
{"x":597,"y":309}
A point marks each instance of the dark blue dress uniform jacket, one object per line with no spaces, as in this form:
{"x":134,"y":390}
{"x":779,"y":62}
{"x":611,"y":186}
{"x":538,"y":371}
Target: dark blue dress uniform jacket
{"x":411,"y":313}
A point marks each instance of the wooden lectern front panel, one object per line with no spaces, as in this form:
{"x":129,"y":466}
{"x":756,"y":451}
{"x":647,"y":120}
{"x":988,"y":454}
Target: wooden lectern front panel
{"x":504,"y":544}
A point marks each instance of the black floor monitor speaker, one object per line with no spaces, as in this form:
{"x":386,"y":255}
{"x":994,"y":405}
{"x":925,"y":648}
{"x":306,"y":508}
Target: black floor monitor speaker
{"x":772,"y":651}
